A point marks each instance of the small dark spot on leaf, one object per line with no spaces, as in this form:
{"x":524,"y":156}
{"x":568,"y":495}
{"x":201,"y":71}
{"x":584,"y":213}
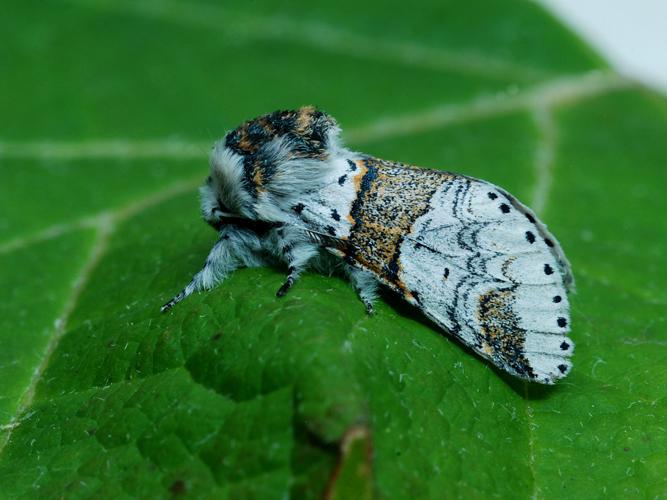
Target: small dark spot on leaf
{"x":625,"y":448}
{"x":177,"y":487}
{"x":217,"y":336}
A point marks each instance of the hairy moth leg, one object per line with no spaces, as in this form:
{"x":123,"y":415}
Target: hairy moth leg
{"x":365,"y":284}
{"x":292,"y":247}
{"x":235,"y":248}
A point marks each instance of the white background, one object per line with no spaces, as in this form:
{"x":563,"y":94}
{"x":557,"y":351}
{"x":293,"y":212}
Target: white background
{"x":630,"y":34}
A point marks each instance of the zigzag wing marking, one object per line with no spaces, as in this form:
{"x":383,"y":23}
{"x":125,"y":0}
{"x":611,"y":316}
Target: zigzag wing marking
{"x":483,"y":269}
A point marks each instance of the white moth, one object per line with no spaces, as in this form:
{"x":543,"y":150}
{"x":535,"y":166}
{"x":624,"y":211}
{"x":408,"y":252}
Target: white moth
{"x":469,"y":255}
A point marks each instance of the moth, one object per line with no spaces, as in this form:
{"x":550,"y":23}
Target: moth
{"x":466,"y":253}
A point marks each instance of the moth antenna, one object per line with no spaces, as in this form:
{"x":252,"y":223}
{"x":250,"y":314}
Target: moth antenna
{"x":322,"y":238}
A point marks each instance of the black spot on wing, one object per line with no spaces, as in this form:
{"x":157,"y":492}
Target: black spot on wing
{"x":353,"y":166}
{"x":298,"y":208}
{"x":341,"y":179}
{"x":335,"y":215}
{"x":530,"y":237}
{"x":492,"y":196}
{"x":548,"y":269}
{"x":562,"y":322}
{"x":504,"y":208}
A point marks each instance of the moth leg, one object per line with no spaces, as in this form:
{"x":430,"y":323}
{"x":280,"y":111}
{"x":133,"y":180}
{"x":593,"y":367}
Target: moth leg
{"x":296,"y":252}
{"x":366,"y":286}
{"x":291,"y":278}
{"x":235,"y":248}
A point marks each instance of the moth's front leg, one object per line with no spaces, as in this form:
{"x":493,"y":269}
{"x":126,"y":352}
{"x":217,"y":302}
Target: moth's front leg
{"x":365,"y":284}
{"x":235,"y":248}
{"x":293,"y":248}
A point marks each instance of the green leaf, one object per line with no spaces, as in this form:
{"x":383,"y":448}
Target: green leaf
{"x":109,"y":109}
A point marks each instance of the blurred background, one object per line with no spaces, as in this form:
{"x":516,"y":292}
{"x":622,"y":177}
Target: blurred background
{"x":630,"y":34}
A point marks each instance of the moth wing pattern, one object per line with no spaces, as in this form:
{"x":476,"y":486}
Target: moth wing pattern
{"x":506,"y":279}
{"x":471,"y":257}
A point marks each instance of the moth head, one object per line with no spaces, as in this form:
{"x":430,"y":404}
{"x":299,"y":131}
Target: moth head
{"x":249,"y":159}
{"x":224,"y":193}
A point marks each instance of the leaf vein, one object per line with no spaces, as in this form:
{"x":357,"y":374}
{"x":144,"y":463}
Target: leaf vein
{"x":324,"y":37}
{"x":551,"y":93}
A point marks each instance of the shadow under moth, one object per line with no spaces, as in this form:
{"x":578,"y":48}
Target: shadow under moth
{"x":468,"y":254}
